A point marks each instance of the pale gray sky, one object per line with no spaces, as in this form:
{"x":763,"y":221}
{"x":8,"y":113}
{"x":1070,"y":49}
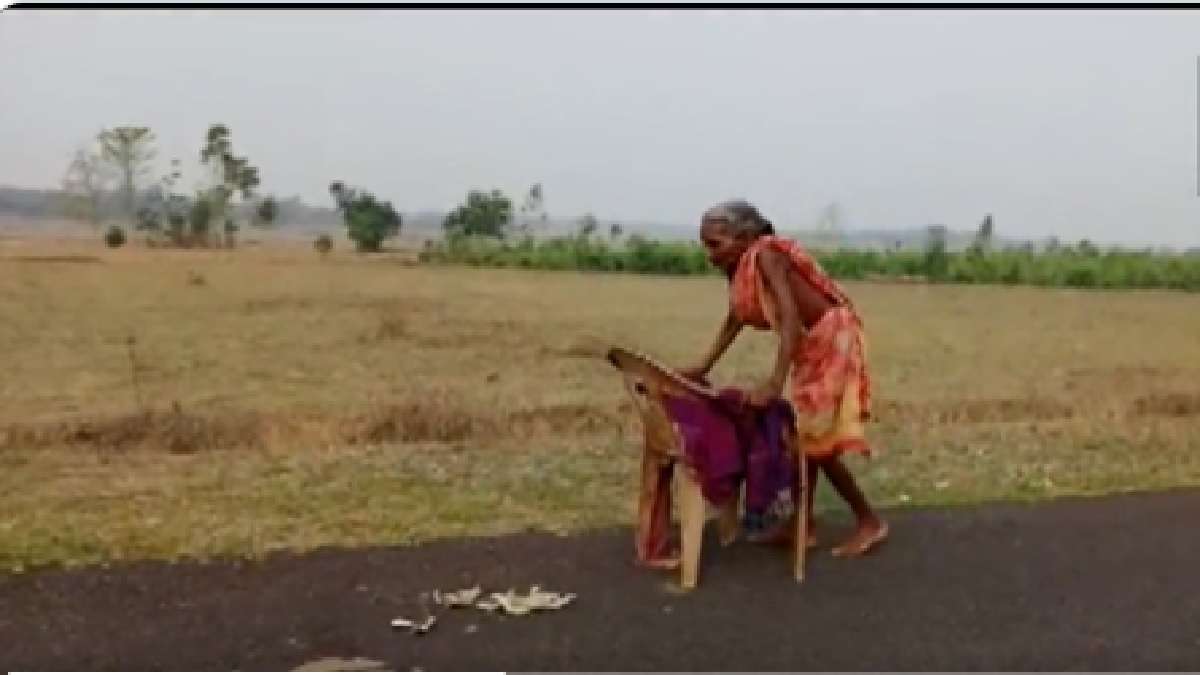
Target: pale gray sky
{"x":1080,"y":124}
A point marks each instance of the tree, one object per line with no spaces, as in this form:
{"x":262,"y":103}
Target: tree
{"x":163,"y":206}
{"x":937,"y":262}
{"x":368,"y":221}
{"x":986,"y":229}
{"x":588,"y":225}
{"x":266,"y":212}
{"x":147,"y":220}
{"x":84,"y":184}
{"x":129,"y":150}
{"x":323,"y":245}
{"x":177,"y":207}
{"x":483,"y":214}
{"x":983,"y":238}
{"x":533,"y":207}
{"x":114,"y":237}
{"x":229,"y":176}
{"x":199,"y":218}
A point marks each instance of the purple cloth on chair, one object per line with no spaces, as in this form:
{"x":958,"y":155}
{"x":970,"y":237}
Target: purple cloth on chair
{"x":727,"y":441}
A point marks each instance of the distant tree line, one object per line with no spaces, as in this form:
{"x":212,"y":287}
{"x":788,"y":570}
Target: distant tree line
{"x":33,"y":205}
{"x":113,"y":178}
{"x":113,"y":175}
{"x":1083,"y":265}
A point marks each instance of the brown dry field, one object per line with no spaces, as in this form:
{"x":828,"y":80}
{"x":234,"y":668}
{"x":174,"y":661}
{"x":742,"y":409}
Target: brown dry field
{"x":283,"y":401}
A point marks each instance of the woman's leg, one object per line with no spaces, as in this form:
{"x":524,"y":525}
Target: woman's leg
{"x":870,"y":530}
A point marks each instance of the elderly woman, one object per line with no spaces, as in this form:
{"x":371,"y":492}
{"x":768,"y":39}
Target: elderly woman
{"x":774,"y":284}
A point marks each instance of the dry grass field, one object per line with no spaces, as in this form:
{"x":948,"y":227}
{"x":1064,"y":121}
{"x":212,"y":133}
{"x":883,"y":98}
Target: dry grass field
{"x":274,"y":400}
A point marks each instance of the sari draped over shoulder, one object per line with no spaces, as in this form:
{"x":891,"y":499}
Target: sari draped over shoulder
{"x":829,"y":386}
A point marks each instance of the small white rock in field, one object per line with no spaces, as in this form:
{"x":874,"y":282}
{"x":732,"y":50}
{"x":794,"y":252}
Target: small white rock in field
{"x":413,"y":626}
{"x":519,"y":605}
{"x":461,"y":598}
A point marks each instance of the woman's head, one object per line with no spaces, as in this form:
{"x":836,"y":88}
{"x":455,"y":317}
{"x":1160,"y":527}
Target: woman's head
{"x":728,"y":229}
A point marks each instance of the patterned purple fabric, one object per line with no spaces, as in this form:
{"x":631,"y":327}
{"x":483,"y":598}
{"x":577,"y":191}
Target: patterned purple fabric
{"x":727,"y":441}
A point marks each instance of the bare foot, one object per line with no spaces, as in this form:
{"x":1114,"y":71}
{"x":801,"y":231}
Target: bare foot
{"x":811,"y":531}
{"x":812,"y":536}
{"x":867,"y":537}
{"x":728,"y":537}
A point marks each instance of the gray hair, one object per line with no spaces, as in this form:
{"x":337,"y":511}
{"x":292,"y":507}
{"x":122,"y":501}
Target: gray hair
{"x":742,"y":219}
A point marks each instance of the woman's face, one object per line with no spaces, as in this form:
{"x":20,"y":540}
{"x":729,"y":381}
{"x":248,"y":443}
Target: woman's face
{"x":723,"y":248}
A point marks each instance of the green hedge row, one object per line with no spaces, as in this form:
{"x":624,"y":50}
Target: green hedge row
{"x":1066,"y":267}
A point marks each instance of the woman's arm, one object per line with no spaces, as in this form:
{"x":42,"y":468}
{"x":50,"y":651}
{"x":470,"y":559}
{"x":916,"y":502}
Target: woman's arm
{"x":728,"y":332}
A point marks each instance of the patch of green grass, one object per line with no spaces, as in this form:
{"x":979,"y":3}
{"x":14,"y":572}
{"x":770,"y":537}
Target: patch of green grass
{"x":84,"y":509}
{"x":80,"y":509}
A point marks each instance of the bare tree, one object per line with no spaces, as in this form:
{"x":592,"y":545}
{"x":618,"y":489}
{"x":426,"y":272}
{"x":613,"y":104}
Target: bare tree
{"x":129,"y":150}
{"x":84,"y":184}
{"x":533,"y":207}
{"x":983,"y":237}
{"x":588,"y":226}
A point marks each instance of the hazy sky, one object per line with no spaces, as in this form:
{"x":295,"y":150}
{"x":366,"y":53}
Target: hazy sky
{"x":1080,"y":124}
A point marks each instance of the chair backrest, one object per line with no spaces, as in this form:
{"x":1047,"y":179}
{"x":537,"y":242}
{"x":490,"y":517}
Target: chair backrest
{"x":649,"y":384}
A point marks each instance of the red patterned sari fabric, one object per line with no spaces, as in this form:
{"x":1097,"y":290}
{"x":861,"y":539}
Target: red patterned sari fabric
{"x":829,"y":386}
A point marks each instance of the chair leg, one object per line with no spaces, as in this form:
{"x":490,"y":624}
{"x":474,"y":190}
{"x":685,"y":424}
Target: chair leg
{"x":652,"y":533}
{"x":691,"y":526}
{"x":802,"y":518}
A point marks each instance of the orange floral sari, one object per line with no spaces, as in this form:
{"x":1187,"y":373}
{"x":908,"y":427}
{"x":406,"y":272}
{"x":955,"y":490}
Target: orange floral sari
{"x":829,"y":386}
